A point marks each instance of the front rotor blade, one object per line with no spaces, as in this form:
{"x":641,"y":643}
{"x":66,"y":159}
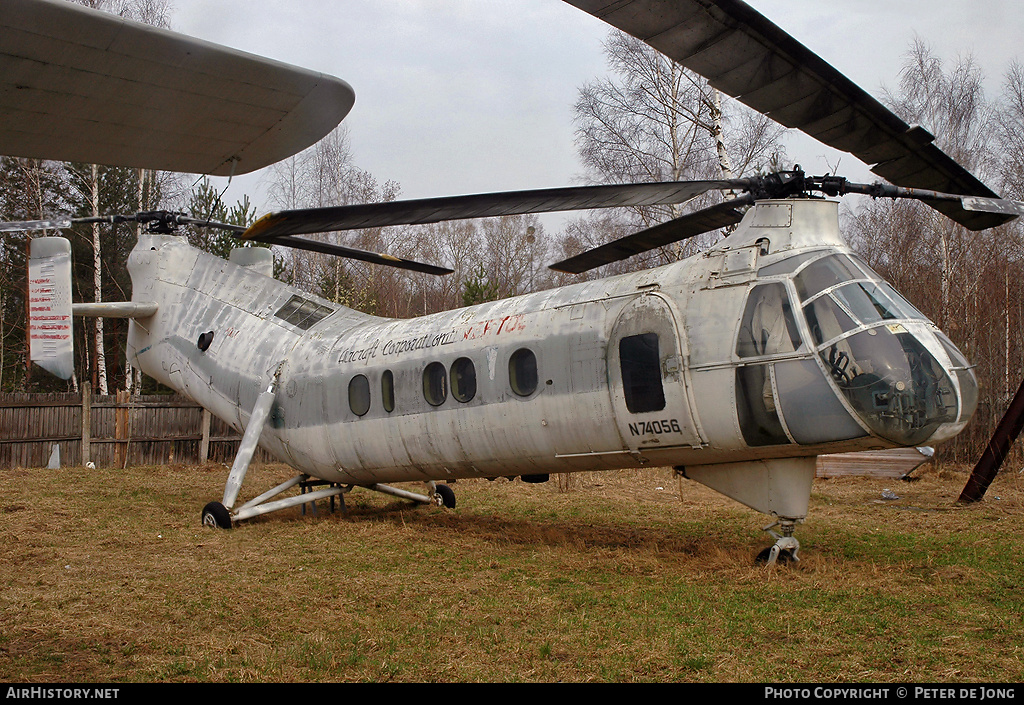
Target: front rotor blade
{"x":978,"y":205}
{"x":352,"y":253}
{"x":743,"y":54}
{"x":485,"y":205}
{"x":993,"y":205}
{"x":687,"y":226}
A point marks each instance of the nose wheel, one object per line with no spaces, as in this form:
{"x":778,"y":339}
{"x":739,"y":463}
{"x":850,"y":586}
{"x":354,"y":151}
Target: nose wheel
{"x":786,"y":547}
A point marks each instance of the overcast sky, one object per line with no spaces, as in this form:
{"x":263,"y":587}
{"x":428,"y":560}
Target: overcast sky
{"x":467,"y":96}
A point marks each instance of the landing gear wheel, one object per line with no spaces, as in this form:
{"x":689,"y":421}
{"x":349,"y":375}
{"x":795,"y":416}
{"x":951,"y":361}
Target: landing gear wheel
{"x":446,"y":495}
{"x":786,"y":547}
{"x":784,"y":557}
{"x":216,"y":516}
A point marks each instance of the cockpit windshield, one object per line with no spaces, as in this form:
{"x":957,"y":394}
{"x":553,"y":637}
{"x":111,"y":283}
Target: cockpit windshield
{"x":859,"y":325}
{"x":841,"y":293}
{"x":893,"y":369}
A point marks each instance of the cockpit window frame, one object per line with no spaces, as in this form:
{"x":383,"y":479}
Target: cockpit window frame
{"x":904,"y":310}
{"x":788,"y":313}
{"x":800,"y":271}
{"x":786,"y":268}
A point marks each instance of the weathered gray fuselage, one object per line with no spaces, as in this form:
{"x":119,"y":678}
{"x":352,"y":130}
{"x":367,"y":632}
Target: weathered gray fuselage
{"x":748,"y":351}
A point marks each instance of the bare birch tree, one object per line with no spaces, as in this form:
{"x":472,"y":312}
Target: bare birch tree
{"x":960,"y":279}
{"x":652,"y":120}
{"x":324,"y":175}
{"x":155,"y":13}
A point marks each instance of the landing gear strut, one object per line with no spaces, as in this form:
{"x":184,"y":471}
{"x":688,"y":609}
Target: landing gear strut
{"x":785,"y":548}
{"x":216,"y":515}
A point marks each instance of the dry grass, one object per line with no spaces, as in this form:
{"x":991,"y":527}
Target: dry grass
{"x":630,"y":576}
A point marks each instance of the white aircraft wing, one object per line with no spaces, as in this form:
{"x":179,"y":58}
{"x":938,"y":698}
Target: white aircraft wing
{"x":86,"y":86}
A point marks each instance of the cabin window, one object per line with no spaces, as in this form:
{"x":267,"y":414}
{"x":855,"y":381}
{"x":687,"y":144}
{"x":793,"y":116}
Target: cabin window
{"x":387,"y":390}
{"x":640,"y":363}
{"x":435,"y":384}
{"x":359,"y":395}
{"x":463,"y":377}
{"x":522,"y":372}
{"x":768,"y":326}
{"x":755,"y":406}
{"x":303,"y":313}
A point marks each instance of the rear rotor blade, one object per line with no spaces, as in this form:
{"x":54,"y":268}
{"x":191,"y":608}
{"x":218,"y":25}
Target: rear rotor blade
{"x":328,"y":248}
{"x":23,"y":225}
{"x":687,"y":226}
{"x":433,"y":210}
{"x":158,"y":221}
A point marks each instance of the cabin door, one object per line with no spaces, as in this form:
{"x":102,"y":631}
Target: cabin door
{"x":648,"y":380}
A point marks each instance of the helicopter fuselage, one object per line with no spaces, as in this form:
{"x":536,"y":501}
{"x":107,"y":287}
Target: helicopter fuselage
{"x":777,"y":343}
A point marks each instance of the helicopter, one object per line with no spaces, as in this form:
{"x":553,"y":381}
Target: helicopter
{"x":737,"y":366}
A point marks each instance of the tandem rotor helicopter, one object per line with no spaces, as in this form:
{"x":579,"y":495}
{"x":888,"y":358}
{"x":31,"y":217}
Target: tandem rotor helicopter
{"x":737,"y":366}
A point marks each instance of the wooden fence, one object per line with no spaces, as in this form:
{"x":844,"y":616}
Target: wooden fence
{"x":111,"y":431}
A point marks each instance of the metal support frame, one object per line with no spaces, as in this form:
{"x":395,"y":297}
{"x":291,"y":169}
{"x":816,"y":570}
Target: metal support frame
{"x":305,"y":487}
{"x":1006,"y":433}
{"x":260,"y":505}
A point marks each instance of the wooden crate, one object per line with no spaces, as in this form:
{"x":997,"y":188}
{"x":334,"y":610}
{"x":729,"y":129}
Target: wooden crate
{"x":873,"y":463}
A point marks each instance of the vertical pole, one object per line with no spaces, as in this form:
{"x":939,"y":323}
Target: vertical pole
{"x":86,"y":421}
{"x":995,"y":453}
{"x":204,"y":443}
{"x":120,"y":429}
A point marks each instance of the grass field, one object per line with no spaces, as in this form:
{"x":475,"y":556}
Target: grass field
{"x":107,"y":575}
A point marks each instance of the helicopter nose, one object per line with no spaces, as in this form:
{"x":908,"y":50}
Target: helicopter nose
{"x":898,"y":387}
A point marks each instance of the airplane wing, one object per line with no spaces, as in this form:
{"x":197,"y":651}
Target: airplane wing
{"x":746,"y":56}
{"x":87,"y":86}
